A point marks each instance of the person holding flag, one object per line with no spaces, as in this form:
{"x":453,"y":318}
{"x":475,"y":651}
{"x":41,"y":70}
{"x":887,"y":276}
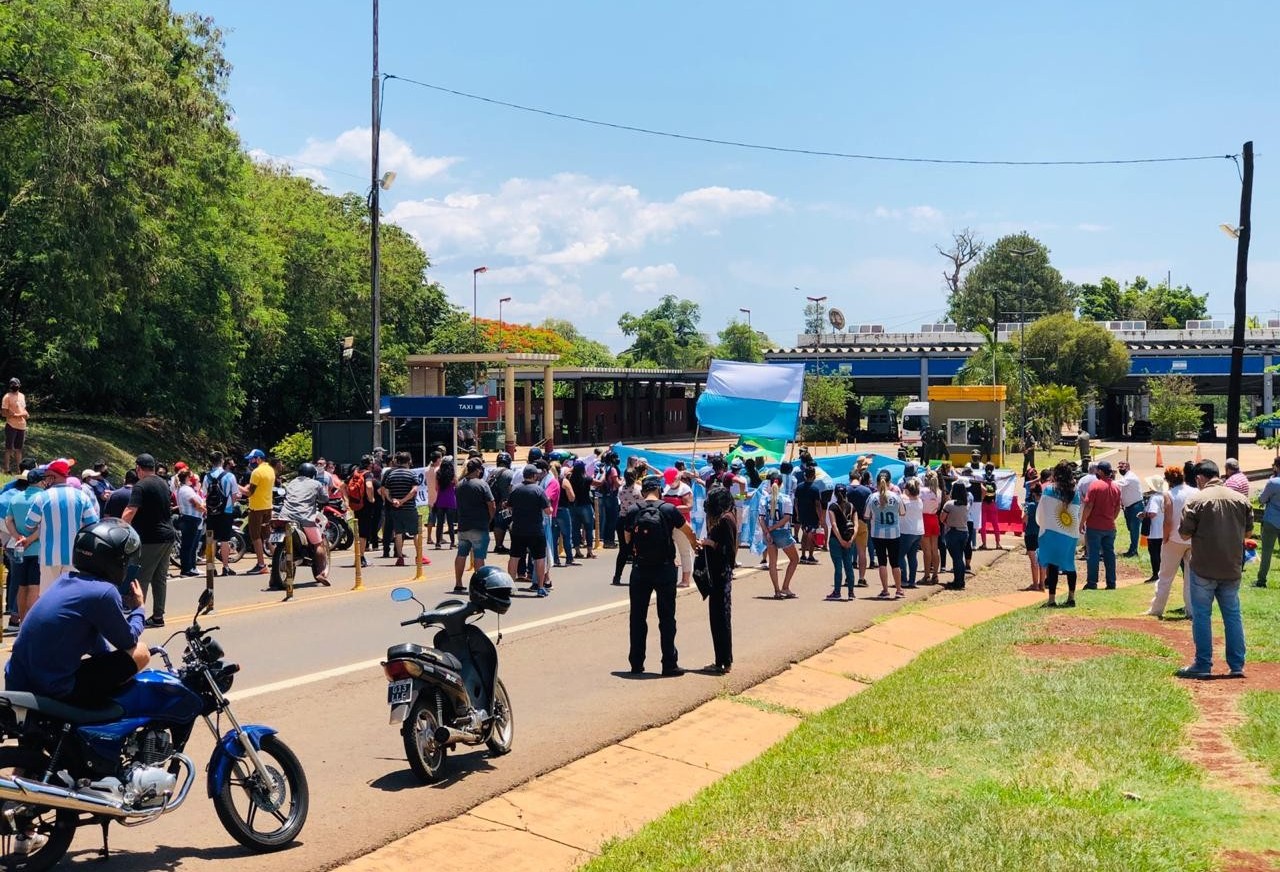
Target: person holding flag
{"x":1058,"y":516}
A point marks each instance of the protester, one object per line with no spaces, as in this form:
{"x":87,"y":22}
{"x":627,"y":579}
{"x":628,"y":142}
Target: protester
{"x":501,"y":480}
{"x":360,"y":496}
{"x":1236,"y":480}
{"x":14,"y":408}
{"x":191,"y":512}
{"x":884,"y":513}
{"x":149,"y":513}
{"x":842,"y":521}
{"x":912,"y":531}
{"x":220,"y":495}
{"x":1270,"y":502}
{"x":1153,"y":522}
{"x":931,"y":505}
{"x":628,"y":497}
{"x":859,"y":493}
{"x":775,"y":520}
{"x":1131,"y":503}
{"x":262,"y":480}
{"x":562,"y":531}
{"x":720,"y":546}
{"x":57,"y":513}
{"x":445,"y":510}
{"x":1098,"y":524}
{"x":677,"y":492}
{"x":808,"y":512}
{"x":607,"y":482}
{"x":1175,"y":548}
{"x":583,"y":512}
{"x":1216,"y":520}
{"x":648,"y":527}
{"x":1031,"y":536}
{"x":399,"y":494}
{"x":24,"y":563}
{"x":990,"y":513}
{"x":1058,"y":517}
{"x":955,"y":532}
{"x":119,"y":499}
{"x":476,"y":508}
{"x":529,"y":507}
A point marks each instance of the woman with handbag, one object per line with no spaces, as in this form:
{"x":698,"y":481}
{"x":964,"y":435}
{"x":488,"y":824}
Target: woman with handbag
{"x":720,"y":551}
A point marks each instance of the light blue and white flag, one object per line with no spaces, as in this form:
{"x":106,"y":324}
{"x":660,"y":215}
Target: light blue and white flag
{"x":752,"y":399}
{"x":698,"y":514}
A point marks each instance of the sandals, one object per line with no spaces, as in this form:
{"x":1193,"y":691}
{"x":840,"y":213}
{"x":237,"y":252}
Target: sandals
{"x":789,"y":594}
{"x":777,"y":594}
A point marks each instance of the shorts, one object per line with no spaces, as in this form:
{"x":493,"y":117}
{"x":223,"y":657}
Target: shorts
{"x":220,"y":526}
{"x":404,"y":521}
{"x":14,"y":438}
{"x":1031,"y":541}
{"x":25,"y":571}
{"x":258,"y":524}
{"x":860,"y":537}
{"x":534,"y":546}
{"x":475,"y":542}
{"x":367,"y":521}
{"x":782,"y":539}
{"x":886,"y":551}
{"x":311,"y":532}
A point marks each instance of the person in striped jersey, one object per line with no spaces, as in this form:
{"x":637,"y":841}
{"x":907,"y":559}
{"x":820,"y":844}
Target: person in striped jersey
{"x":56,"y":515}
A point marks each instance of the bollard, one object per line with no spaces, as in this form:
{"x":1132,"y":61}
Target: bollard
{"x":359,"y":585}
{"x":289,"y":566}
{"x":417,"y":555}
{"x":209,"y":560}
{"x":4,"y":583}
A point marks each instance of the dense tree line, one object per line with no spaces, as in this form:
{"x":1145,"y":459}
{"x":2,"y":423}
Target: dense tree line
{"x":147,"y":266}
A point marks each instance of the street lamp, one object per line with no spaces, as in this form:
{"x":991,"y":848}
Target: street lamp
{"x":817,"y":333}
{"x":475,"y":324}
{"x":502,"y":345}
{"x":748,"y":312}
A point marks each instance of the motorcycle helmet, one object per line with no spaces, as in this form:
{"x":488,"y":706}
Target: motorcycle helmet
{"x":105,"y":549}
{"x":306,"y":470}
{"x":504,"y":459}
{"x":491,"y":589}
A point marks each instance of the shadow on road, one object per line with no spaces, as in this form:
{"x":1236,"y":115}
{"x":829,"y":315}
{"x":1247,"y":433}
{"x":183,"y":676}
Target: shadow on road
{"x":163,"y":858}
{"x":457,"y":768}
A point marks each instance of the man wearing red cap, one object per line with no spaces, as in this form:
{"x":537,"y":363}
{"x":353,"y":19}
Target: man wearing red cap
{"x":54,"y":519}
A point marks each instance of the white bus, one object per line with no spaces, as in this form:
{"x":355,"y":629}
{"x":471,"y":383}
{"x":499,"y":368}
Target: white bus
{"x":915,"y":417}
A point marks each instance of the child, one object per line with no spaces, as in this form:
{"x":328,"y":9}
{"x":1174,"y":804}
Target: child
{"x":1031,"y":536}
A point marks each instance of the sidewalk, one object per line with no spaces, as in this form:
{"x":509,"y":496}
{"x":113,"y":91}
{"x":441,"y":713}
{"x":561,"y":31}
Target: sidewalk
{"x":560,"y":820}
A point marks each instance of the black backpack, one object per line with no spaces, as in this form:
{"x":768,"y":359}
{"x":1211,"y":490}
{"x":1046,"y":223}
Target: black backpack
{"x":651,"y":535}
{"x":216,"y":499}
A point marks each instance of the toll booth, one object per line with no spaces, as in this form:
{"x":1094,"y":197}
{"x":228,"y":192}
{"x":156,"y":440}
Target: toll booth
{"x":964,"y":410}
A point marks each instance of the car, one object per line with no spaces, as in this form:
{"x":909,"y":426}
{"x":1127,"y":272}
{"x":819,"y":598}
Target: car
{"x":1141,"y":431}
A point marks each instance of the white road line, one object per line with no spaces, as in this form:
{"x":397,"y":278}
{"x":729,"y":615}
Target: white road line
{"x":339,"y":671}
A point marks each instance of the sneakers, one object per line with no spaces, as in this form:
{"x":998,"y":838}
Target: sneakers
{"x":260,"y":569}
{"x":1192,"y":672}
{"x":542,"y":591}
{"x":834,"y":597}
{"x":227,"y":570}
{"x":459,"y":589}
{"x":153,"y":622}
{"x":399,"y":561}
{"x":672,"y":672}
{"x":29,"y":843}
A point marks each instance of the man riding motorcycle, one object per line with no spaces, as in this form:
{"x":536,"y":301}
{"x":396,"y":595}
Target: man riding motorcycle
{"x":304,"y":496}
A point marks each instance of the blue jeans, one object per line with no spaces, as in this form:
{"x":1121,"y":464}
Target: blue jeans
{"x":1100,"y":544}
{"x":584,"y":526}
{"x":1134,"y":523}
{"x":908,"y":554}
{"x":956,"y":540}
{"x":189,"y":529}
{"x":609,"y":518}
{"x":563,"y":532}
{"x":1227,"y":593}
{"x":842,"y":559}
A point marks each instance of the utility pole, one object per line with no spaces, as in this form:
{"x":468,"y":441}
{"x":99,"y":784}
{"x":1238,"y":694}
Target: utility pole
{"x":375,"y":291}
{"x":1237,"y":332}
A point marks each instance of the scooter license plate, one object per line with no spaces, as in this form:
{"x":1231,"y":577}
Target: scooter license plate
{"x":399,"y":692}
{"x":276,"y":538}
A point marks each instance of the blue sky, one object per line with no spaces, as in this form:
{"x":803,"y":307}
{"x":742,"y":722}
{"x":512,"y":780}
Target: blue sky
{"x":586,"y":223}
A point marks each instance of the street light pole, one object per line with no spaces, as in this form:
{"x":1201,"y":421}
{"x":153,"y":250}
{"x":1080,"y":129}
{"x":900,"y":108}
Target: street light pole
{"x":748,"y":311}
{"x":1237,"y":327}
{"x":502,"y":336}
{"x":1022,"y":254}
{"x":817,"y":301}
{"x":475,"y":324}
{"x":375,"y":291}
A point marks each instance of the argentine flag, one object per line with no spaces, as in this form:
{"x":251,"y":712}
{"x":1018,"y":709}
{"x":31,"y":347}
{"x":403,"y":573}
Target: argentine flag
{"x":752,"y":399}
{"x":1059,"y":522}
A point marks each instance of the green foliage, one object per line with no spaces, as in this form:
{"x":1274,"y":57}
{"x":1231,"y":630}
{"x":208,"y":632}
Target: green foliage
{"x":666,"y":336}
{"x":814,"y":322}
{"x":828,"y":397}
{"x":1175,"y":407}
{"x":1058,"y":405}
{"x":1020,"y":283}
{"x":1160,"y":306}
{"x":1061,"y":350}
{"x":294,"y":448}
{"x":738,"y":341}
{"x":977,"y":370}
{"x":582,"y":352}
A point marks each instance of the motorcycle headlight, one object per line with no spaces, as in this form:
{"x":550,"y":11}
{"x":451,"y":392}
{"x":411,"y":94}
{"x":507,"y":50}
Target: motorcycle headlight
{"x":224,"y":674}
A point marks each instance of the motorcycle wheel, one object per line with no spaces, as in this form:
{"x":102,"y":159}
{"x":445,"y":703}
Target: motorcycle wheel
{"x":59,"y":826}
{"x":345,"y":537}
{"x":239,"y":545}
{"x":175,"y":554}
{"x":426,"y":757}
{"x":277,"y":567}
{"x":282,"y":803}
{"x":503,"y":728}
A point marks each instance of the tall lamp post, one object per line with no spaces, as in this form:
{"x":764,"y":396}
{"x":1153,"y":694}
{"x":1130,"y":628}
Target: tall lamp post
{"x":748,"y":313}
{"x":375,"y":295}
{"x":502,"y":335}
{"x":1021,"y":254}
{"x":475,"y":323}
{"x":817,"y":301}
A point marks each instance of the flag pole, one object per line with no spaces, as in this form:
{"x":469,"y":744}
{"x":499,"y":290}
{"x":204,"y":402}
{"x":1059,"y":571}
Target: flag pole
{"x":693,"y":456}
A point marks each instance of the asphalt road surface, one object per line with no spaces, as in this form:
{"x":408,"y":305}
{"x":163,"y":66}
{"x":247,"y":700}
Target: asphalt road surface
{"x":310,"y":669}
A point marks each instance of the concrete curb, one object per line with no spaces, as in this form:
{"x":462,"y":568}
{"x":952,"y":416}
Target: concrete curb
{"x":612,"y":793}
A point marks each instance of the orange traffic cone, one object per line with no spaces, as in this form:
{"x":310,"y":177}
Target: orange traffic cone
{"x":1159,"y":458}
{"x":1199,"y":457}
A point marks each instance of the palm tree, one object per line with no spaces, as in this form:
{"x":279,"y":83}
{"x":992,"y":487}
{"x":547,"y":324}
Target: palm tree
{"x":1058,"y":404}
{"x":992,"y":358}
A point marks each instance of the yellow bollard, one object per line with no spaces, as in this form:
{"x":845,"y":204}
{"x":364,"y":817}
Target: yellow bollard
{"x":289,"y":566}
{"x":417,"y":555}
{"x":209,"y":559}
{"x":359,"y":585}
{"x":4,"y":580}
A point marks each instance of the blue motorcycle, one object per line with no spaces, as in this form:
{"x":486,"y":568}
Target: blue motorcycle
{"x":74,"y":767}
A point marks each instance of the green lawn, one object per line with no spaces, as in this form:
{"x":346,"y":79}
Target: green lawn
{"x":115,"y":440}
{"x":975,"y":757}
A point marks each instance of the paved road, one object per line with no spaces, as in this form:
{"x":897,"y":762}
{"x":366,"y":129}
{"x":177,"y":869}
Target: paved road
{"x":310,"y":670}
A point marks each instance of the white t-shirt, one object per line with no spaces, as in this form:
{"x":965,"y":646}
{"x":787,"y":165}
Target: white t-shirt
{"x":1130,"y":489}
{"x":1083,"y":484}
{"x":1178,"y":495}
{"x":1155,"y":508}
{"x":913,"y":519}
{"x":884,"y":516}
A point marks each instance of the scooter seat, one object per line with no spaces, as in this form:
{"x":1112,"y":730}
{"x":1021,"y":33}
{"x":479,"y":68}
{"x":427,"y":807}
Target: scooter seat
{"x":60,"y":710}
{"x":417,"y":652}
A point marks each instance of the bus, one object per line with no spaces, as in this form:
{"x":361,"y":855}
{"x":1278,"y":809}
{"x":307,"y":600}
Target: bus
{"x":915,"y":417}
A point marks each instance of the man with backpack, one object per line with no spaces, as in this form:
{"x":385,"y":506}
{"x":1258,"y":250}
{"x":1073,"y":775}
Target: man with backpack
{"x":500,"y":480}
{"x":648,"y":528}
{"x":221,"y":493}
{"x":361,"y":500}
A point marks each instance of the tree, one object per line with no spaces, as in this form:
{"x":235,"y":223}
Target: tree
{"x":977,"y":370}
{"x":1159,"y":305}
{"x":827,"y":397}
{"x":965,"y":248}
{"x":1058,"y":405}
{"x":665,"y":336}
{"x":739,"y":342}
{"x":582,"y":352}
{"x":1175,"y":406}
{"x":1061,"y":350}
{"x":1012,"y":284}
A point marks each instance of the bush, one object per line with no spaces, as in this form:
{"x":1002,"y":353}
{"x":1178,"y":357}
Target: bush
{"x":824,"y":431}
{"x":294,"y":448}
{"x":1175,"y":407}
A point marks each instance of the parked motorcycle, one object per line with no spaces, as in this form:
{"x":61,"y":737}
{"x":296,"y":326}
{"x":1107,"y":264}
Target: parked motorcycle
{"x":74,"y":767}
{"x":239,"y":543}
{"x":451,"y":694}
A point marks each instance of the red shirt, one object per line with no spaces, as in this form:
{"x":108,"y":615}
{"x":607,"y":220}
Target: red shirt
{"x":1104,"y":496}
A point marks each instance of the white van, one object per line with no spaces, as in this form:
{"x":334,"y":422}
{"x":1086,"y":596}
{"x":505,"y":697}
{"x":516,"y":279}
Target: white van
{"x":915,"y":417}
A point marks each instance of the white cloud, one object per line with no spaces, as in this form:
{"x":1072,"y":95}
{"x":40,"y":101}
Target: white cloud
{"x":1086,"y":227}
{"x":648,"y":279}
{"x":917,"y":218}
{"x":352,"y":147}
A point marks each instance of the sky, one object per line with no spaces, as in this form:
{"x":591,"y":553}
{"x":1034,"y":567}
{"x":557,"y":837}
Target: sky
{"x":586,"y":223}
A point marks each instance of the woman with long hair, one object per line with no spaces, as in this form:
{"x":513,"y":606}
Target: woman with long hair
{"x":931,"y":503}
{"x":912,"y":531}
{"x":584,"y":516}
{"x":842,"y":521}
{"x":628,"y":496}
{"x":720,"y":545}
{"x":884,"y":513}
{"x":1058,"y":516}
{"x":954,"y":523}
{"x":446,"y":507}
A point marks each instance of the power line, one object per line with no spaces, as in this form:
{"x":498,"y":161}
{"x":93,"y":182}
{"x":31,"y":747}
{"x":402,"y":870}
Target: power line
{"x":812,"y":152}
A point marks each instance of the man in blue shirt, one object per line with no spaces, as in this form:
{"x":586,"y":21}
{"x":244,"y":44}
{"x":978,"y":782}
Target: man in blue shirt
{"x":1270,"y":502}
{"x":83,"y":613}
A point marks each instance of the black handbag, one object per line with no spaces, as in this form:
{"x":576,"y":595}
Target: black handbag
{"x":702,"y":575}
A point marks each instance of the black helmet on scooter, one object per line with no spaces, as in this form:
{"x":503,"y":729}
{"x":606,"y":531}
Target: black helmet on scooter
{"x":491,"y":589}
{"x":504,"y":460}
{"x":105,"y":549}
{"x":306,"y":470}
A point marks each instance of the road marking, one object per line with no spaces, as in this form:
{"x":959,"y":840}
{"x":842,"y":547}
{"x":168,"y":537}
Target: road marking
{"x":339,"y":671}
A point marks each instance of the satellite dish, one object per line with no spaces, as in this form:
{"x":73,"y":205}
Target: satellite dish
{"x":836,"y":317}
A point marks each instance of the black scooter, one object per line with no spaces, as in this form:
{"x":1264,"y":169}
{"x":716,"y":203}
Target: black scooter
{"x":449,"y":694}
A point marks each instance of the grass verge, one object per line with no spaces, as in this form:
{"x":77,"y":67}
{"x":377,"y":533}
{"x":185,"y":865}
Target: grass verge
{"x":974,"y":757}
{"x":115,"y":440}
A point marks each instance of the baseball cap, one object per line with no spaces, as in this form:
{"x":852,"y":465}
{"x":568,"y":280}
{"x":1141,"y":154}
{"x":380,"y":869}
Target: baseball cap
{"x":1104,"y":467}
{"x":256,"y":454}
{"x":36,"y":475}
{"x":530,"y":471}
{"x":90,"y":473}
{"x":57,"y":467}
{"x":145,"y":461}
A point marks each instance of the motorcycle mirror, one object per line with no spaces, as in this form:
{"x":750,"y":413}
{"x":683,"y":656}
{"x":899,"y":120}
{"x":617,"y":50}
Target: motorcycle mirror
{"x":205,"y":603}
{"x":401,"y":595}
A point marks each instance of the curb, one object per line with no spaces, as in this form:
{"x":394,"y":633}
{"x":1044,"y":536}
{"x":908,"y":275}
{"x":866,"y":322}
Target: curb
{"x":561,"y":820}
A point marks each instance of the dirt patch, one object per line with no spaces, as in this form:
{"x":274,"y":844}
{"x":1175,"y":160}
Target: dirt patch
{"x":1248,"y":861}
{"x":1067,"y":650}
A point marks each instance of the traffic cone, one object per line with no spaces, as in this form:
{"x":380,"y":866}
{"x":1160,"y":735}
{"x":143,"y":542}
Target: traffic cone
{"x":1159,"y":458}
{"x":1199,"y":456}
